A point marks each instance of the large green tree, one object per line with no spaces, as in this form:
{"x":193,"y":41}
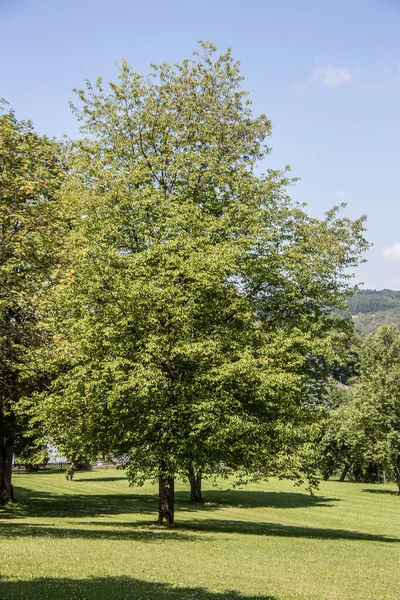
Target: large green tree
{"x":30,"y":227}
{"x":377,"y":399}
{"x":197,"y":305}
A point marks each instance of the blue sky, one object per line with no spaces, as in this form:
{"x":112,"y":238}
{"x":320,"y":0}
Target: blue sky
{"x":326,"y":73}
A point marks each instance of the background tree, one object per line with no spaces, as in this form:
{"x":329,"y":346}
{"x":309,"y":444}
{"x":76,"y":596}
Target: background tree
{"x":198,"y":307}
{"x":377,"y":399}
{"x":30,"y":227}
{"x":29,"y":449}
{"x":338,"y":444}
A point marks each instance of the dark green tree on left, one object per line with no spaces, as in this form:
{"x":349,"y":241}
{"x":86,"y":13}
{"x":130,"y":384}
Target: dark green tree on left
{"x":31,"y":226}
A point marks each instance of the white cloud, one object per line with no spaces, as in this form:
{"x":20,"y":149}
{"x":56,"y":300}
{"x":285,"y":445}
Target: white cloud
{"x":332,"y":76}
{"x":392,"y":253}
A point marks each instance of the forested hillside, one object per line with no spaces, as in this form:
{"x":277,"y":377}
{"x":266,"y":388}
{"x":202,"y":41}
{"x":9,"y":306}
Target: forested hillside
{"x":371,"y":309}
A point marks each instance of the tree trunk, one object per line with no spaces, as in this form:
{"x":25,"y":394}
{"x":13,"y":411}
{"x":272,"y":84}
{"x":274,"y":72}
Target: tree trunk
{"x":165,"y":496}
{"x":195,"y":484}
{"x":326,"y":474}
{"x":6,"y":456}
{"x":346,"y":469}
{"x":7,"y":441}
{"x":397,"y":478}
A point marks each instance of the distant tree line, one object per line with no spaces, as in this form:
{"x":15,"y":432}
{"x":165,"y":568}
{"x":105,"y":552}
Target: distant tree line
{"x":372,"y":309}
{"x":371,"y":301}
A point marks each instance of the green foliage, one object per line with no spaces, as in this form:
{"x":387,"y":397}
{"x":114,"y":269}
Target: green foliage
{"x":30,"y":226}
{"x":377,"y":398}
{"x":333,"y":446}
{"x":346,"y":368}
{"x":359,"y":433}
{"x":340,"y":445}
{"x":30,"y":172}
{"x":196,"y":308}
{"x":28,"y":449}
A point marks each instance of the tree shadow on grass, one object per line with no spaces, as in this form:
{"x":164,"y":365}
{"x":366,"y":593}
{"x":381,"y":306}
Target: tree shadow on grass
{"x":32,"y":503}
{"x":377,"y":491}
{"x":280,"y":530}
{"x":104,"y":588}
{"x":102,"y":479}
{"x":142,"y":531}
{"x":215,"y":499}
{"x":46,"y":504}
{"x":185,"y":530}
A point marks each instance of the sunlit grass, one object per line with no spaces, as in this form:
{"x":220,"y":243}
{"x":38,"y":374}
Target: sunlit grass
{"x":94,"y":539}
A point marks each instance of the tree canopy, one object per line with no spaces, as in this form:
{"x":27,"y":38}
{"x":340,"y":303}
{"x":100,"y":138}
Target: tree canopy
{"x":30,"y":226}
{"x":197,"y":303}
{"x":377,"y":399}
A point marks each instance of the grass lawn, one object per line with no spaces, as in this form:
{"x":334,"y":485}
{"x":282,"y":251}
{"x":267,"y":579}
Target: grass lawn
{"x":94,"y":539}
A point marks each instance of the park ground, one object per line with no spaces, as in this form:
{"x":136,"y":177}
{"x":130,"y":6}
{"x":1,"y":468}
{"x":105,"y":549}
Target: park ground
{"x":95,"y":539}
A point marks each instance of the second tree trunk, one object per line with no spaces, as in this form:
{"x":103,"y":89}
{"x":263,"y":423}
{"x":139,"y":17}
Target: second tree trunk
{"x":165,"y":497}
{"x":195,"y":484}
